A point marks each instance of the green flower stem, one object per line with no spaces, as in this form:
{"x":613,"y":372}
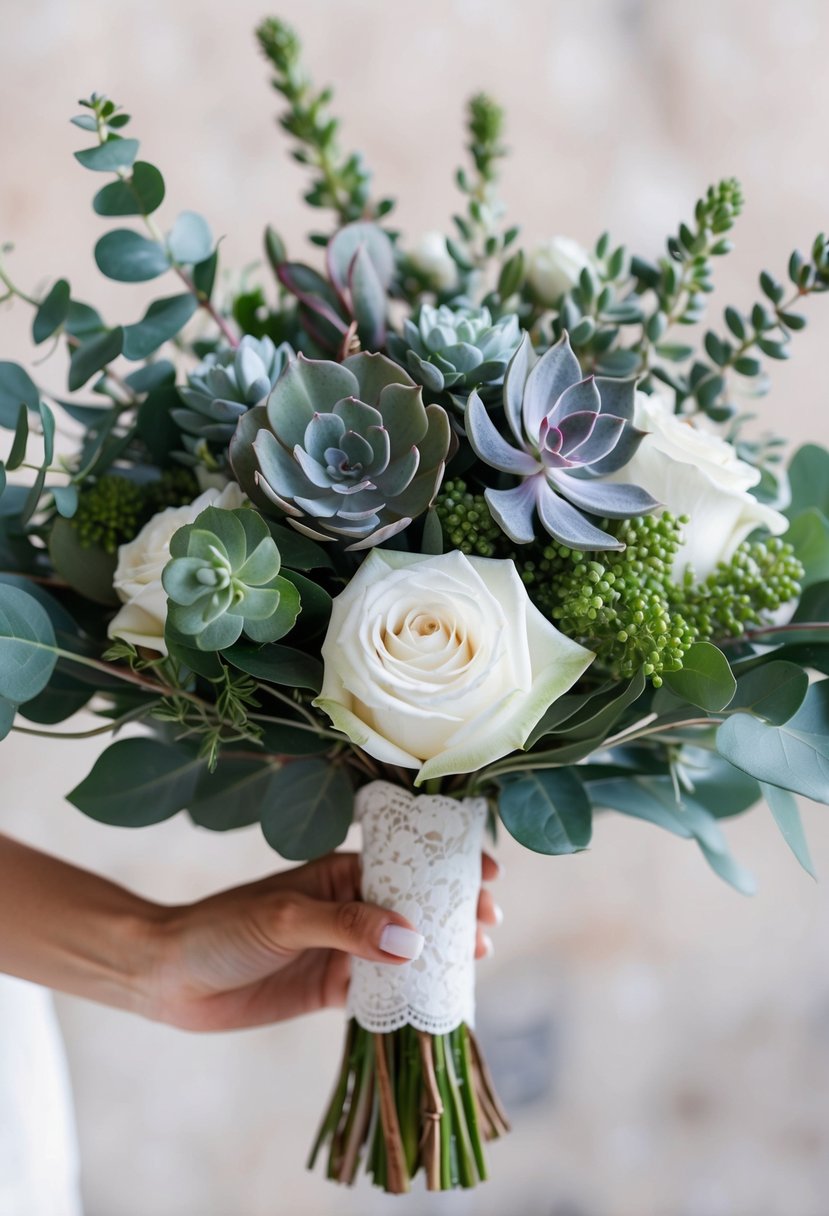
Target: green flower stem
{"x":466,"y":1078}
{"x":317,"y":730}
{"x":134,"y":715}
{"x":281,"y":696}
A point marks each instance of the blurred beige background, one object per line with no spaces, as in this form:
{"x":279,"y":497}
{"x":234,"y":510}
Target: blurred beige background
{"x":663,"y":1042}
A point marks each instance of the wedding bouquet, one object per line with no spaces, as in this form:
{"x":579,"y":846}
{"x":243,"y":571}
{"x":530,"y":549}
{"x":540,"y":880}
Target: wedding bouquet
{"x":440,"y":535}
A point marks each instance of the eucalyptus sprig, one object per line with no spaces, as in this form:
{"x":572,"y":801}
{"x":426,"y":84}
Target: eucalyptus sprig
{"x":341,"y":182}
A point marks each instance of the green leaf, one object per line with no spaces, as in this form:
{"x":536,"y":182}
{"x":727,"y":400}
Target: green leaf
{"x":279,"y":741}
{"x":809,"y":477}
{"x":141,"y":194}
{"x":783,"y":807}
{"x":89,"y":570}
{"x":27,"y":645}
{"x":155,"y":423}
{"x":17,"y":452}
{"x":809,"y":535}
{"x":16,"y":388}
{"x":794,"y":756}
{"x":813,"y":605}
{"x":2,"y":478}
{"x":297,"y":551}
{"x":66,"y":500}
{"x":204,"y":275}
{"x":152,"y":375}
{"x":774,"y":691}
{"x":316,"y":605}
{"x":719,"y":787}
{"x":93,"y":355}
{"x":82,"y":320}
{"x":602,"y":712}
{"x":308,"y":809}
{"x":204,"y":663}
{"x":705,"y":679}
{"x":52,"y":312}
{"x":654,"y":800}
{"x":190,"y":240}
{"x":161,"y":322}
{"x":548,"y":811}
{"x":109,"y":157}
{"x":128,"y":257}
{"x":280,"y":664}
{"x":7,"y":712}
{"x":231,"y":797}
{"x":137,"y":782}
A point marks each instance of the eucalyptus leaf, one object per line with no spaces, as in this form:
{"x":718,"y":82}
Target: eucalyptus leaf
{"x":27,"y":645}
{"x":190,"y":240}
{"x":705,"y":679}
{"x":52,"y":312}
{"x":547,"y":810}
{"x":809,"y":535}
{"x":774,"y":691}
{"x":17,"y":452}
{"x":297,"y":551}
{"x":66,"y":500}
{"x":161,"y":322}
{"x":155,"y":424}
{"x":128,"y":257}
{"x":231,"y":797}
{"x":7,"y":712}
{"x":809,"y":479}
{"x":16,"y":388}
{"x":794,"y":756}
{"x":88,"y":569}
{"x":137,"y":782}
{"x":308,"y":809}
{"x":279,"y":664}
{"x":139,"y":194}
{"x":783,"y":806}
{"x":109,"y":157}
{"x":93,"y":355}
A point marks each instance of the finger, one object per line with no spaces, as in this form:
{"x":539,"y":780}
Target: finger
{"x":334,"y":877}
{"x":490,"y":868}
{"x":366,"y":930}
{"x":488,"y":911}
{"x":483,"y":944}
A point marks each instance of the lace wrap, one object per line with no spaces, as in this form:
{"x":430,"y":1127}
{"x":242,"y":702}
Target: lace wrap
{"x":421,"y":857}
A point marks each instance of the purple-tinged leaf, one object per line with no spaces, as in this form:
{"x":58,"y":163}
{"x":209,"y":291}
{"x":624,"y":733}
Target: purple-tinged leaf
{"x":581,"y":398}
{"x":554,"y":372}
{"x":568,"y":526}
{"x":601,"y":441}
{"x":616,"y":501}
{"x":514,"y":381}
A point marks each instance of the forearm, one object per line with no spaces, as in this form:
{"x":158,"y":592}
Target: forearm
{"x":71,"y":930}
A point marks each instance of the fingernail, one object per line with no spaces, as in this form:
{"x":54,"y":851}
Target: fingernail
{"x":498,"y":913}
{"x":489,"y":949}
{"x":404,"y":943}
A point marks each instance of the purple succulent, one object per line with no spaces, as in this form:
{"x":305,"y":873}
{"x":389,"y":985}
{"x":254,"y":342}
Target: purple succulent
{"x":569,"y":431}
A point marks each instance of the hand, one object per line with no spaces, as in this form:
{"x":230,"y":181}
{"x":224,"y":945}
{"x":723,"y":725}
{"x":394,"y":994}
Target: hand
{"x":278,"y":948}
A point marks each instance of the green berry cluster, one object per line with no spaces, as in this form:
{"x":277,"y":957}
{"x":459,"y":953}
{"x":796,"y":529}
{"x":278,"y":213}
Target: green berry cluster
{"x":110,"y":512}
{"x":761,"y":576}
{"x":466,"y":522}
{"x":616,"y":603}
{"x":113,"y":509}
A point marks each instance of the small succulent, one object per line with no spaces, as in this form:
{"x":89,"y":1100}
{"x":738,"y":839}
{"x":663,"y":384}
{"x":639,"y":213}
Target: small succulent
{"x":223,"y":579}
{"x":568,"y":430}
{"x":347,"y":450}
{"x":456,"y":348}
{"x":226,"y":384}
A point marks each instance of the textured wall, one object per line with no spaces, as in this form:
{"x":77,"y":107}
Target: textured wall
{"x":665,"y":1043}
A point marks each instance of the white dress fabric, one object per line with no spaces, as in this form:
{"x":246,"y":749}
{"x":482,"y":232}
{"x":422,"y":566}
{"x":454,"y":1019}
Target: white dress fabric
{"x":39,"y":1166}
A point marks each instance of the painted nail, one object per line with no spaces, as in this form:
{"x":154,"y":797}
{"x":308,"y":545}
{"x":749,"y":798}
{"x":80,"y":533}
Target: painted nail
{"x":404,"y":943}
{"x":498,"y":913}
{"x":489,"y":949}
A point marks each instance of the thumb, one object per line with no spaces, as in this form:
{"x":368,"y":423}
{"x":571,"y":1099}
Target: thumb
{"x":370,"y":932}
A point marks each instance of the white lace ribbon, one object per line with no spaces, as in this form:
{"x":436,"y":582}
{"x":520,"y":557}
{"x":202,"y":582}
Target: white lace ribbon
{"x":421,"y":857}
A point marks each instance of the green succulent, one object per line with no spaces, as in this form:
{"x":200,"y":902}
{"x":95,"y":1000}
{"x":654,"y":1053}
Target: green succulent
{"x":226,"y":384}
{"x":347,"y":450}
{"x":223,"y":579}
{"x":456,"y":349}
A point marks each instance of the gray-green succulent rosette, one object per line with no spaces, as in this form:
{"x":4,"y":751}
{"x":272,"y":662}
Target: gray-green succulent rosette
{"x":454,"y":514}
{"x":456,"y":349}
{"x":223,"y":580}
{"x":347,"y":451}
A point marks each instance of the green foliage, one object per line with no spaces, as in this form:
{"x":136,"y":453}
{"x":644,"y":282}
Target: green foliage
{"x":27,"y":646}
{"x":137,"y":782}
{"x":223,"y":578}
{"x":547,"y":811}
{"x":113,"y":509}
{"x":340,"y":182}
{"x":744,"y":592}
{"x":307,"y":809}
{"x":705,"y":678}
{"x":16,"y":388}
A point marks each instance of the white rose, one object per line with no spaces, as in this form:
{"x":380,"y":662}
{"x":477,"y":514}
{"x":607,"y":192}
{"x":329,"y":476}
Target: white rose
{"x":694,"y":472}
{"x":441,"y":663}
{"x":554,"y":267}
{"x":140,"y":563}
{"x":432,"y":258}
